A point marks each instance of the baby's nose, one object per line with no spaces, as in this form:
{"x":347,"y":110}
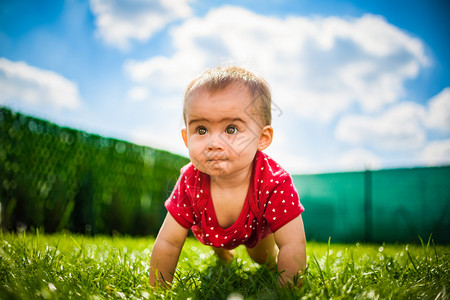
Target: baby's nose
{"x":216,"y":143}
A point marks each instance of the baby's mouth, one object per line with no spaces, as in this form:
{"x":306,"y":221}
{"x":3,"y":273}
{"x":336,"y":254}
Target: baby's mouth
{"x":216,"y":158}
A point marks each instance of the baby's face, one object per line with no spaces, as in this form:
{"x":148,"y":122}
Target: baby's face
{"x":221,"y":132}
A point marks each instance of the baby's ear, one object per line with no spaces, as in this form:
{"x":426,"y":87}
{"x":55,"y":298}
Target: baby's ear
{"x":184,"y":136}
{"x":265,"y":139}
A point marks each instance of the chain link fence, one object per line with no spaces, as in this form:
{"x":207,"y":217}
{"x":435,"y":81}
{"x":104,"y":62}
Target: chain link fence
{"x":56,"y":178}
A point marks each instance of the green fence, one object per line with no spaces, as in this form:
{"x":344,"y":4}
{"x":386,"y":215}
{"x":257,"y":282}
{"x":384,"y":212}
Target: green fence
{"x":377,"y":206}
{"x":58,"y":178}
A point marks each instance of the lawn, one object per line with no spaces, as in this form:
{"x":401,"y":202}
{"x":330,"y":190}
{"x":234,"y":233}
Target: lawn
{"x":65,"y":266}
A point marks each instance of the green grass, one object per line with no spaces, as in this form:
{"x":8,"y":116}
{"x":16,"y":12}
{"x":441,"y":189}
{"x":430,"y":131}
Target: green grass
{"x":66,"y":266}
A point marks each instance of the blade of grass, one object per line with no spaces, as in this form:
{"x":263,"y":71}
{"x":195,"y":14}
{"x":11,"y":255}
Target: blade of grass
{"x":321,"y":277}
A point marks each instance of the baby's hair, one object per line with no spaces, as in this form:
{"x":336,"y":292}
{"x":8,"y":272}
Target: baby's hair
{"x":217,"y":79}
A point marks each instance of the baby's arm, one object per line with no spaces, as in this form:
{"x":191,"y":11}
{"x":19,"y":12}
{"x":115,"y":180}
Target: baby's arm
{"x":291,"y":242}
{"x":166,"y":251}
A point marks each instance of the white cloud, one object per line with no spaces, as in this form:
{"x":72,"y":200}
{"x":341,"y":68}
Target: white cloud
{"x":120,"y":21}
{"x":317,"y":67}
{"x":404,"y":126}
{"x":437,"y":153}
{"x":358,"y":160}
{"x":20,"y":82}
{"x":399,"y":128}
{"x":138,"y":93}
{"x":439,"y":111}
{"x":170,"y":141}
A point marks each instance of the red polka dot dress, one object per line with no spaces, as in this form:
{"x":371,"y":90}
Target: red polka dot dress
{"x":272,"y":201}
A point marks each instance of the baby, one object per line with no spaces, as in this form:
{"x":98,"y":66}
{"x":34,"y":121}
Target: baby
{"x":231,"y":193}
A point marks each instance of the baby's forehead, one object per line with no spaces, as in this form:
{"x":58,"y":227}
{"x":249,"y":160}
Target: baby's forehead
{"x":203,"y":92}
{"x":234,"y":87}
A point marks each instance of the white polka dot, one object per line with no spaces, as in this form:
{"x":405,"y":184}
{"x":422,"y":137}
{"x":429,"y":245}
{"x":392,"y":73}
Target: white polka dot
{"x":285,"y":211}
{"x":273,"y":210}
{"x":198,"y":196}
{"x":281,"y":192}
{"x":283,"y":201}
{"x":212,"y":228}
{"x":201,"y":191}
{"x":275,"y":191}
{"x":221,"y":245}
{"x":246,"y":236}
{"x":207,"y":235}
{"x":267,"y":192}
{"x":262,"y":181}
{"x":225,"y":237}
{"x":274,"y":218}
{"x":271,"y":180}
{"x":262,"y":168}
{"x":217,"y":236}
{"x":277,"y":182}
{"x":209,"y":218}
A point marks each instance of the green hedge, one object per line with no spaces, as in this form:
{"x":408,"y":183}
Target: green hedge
{"x":57,"y":178}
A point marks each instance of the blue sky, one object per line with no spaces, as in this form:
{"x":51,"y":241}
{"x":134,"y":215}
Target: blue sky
{"x":357,"y":84}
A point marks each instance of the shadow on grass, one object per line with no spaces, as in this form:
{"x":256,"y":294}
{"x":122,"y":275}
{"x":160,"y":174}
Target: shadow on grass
{"x":222,"y":280}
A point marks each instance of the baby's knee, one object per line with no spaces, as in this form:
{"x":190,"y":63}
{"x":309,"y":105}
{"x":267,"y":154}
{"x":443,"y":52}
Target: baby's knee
{"x":224,"y":254}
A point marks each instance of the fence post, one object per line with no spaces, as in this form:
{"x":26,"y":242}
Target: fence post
{"x":368,"y":205}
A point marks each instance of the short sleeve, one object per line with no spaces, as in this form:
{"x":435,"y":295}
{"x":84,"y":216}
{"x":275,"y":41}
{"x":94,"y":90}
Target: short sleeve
{"x":283,"y":205}
{"x":179,"y":204}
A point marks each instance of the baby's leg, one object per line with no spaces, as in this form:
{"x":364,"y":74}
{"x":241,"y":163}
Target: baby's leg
{"x":265,"y":252}
{"x":224,"y":254}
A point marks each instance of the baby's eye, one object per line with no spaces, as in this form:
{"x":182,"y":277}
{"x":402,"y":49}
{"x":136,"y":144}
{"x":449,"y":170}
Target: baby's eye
{"x":231,"y":129}
{"x":202,"y":130}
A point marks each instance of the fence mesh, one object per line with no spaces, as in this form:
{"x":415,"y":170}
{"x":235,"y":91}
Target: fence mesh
{"x":58,"y":178}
